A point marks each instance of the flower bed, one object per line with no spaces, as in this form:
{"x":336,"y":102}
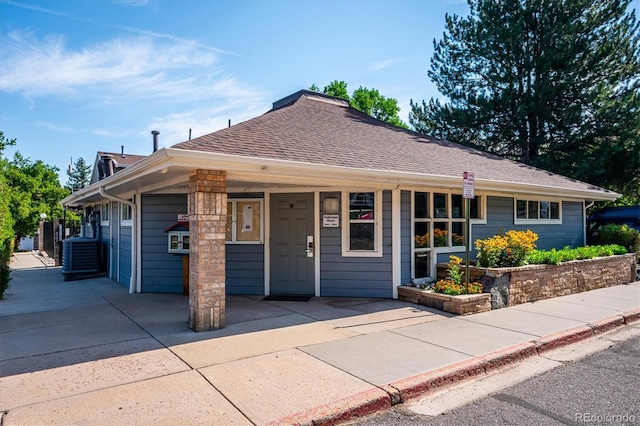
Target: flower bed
{"x":463,"y":304}
{"x":516,"y":285}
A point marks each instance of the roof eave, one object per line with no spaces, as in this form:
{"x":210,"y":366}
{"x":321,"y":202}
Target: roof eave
{"x":274,"y":170}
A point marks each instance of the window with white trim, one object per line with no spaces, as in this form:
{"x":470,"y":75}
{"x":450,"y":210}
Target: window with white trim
{"x":104,"y":214}
{"x":245,"y":221}
{"x":126,"y":215}
{"x":439,"y":223}
{"x":362,"y":230}
{"x":537,"y":211}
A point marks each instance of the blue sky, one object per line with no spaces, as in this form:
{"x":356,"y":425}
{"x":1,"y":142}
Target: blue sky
{"x":79,"y":76}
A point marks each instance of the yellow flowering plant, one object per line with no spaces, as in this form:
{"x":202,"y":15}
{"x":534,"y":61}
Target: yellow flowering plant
{"x":511,"y":249}
{"x":454,"y":284}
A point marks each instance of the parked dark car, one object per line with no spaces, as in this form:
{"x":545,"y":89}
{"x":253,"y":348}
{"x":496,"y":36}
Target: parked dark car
{"x":619,"y":215}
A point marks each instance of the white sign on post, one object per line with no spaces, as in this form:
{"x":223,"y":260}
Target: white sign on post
{"x":468,"y":181}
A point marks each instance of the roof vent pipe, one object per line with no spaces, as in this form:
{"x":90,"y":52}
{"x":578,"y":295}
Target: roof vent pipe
{"x":155,"y":134}
{"x":122,"y":152}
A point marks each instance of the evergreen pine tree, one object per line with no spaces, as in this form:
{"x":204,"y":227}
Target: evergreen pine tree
{"x":552,"y":83}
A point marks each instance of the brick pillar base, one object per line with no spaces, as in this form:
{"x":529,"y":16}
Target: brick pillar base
{"x":207,"y":233}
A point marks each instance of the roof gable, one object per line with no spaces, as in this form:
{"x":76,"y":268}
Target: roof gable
{"x":122,"y":160}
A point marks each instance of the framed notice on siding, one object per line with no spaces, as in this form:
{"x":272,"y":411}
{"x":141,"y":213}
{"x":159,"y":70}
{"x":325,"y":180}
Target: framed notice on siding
{"x":248,"y":221}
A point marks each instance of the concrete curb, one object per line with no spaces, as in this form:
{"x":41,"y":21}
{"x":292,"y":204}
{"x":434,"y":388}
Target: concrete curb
{"x":384,"y":397}
{"x":631,"y":316}
{"x":563,"y":338}
{"x":358,"y":405}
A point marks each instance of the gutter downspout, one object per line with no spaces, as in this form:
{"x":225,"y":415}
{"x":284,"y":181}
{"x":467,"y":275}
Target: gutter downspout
{"x":134,"y":240}
{"x":584,"y":215}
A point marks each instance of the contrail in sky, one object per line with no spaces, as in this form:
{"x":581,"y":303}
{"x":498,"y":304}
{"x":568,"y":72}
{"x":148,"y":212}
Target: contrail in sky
{"x":117,"y":27}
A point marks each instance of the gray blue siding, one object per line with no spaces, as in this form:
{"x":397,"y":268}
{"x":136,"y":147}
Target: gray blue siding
{"x":500,"y":211}
{"x":125,"y":254}
{"x":105,"y":246}
{"x":245,"y":262}
{"x":162,"y":271}
{"x":406,"y":237}
{"x":245,"y":269}
{"x":356,"y":276}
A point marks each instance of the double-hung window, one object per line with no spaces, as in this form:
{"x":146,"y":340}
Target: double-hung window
{"x":104,"y":214}
{"x":362,"y":230}
{"x":126,"y":214}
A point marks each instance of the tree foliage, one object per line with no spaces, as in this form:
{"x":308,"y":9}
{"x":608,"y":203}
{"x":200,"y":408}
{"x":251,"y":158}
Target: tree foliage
{"x":552,"y":83}
{"x":6,"y":220}
{"x":79,"y":175}
{"x":30,"y":188}
{"x":369,"y":101}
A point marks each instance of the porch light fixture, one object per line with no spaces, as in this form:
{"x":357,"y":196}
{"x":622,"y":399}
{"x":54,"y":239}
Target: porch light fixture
{"x":331,"y":205}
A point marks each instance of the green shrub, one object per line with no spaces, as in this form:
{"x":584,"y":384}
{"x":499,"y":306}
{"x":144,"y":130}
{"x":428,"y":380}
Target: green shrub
{"x":5,"y":258}
{"x":556,"y":257}
{"x":623,"y":235}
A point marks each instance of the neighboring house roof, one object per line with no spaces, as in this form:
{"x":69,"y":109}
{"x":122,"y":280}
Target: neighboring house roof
{"x":310,"y":127}
{"x":122,"y":161}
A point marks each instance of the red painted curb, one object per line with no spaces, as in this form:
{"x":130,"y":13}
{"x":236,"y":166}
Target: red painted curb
{"x":563,"y":338}
{"x":418,"y":385}
{"x":607,"y":324}
{"x":358,"y":405}
{"x":631,"y":316}
{"x":516,"y":353}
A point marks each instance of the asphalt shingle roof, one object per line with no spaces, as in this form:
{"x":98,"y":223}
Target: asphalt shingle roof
{"x":312,"y":128}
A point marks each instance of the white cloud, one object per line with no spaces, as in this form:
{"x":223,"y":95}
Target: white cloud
{"x":54,"y":127}
{"x":115,"y":26}
{"x":133,"y":3}
{"x":40,"y":67}
{"x":380,"y":65}
{"x":174,"y":127}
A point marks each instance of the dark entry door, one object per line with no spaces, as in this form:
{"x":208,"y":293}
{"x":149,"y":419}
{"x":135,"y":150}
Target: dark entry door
{"x":292,"y":267}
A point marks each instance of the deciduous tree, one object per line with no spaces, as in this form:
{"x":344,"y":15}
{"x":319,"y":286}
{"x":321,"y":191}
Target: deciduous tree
{"x":33,"y":189}
{"x":369,"y":101}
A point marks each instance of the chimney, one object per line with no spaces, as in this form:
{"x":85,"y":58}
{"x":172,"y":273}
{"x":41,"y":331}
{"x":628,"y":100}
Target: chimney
{"x":155,"y":134}
{"x":107,"y":159}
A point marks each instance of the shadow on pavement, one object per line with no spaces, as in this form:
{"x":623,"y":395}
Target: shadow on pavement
{"x":46,"y":322}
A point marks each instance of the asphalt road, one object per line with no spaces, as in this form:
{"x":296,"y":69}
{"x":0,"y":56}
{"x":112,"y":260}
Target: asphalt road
{"x":602,"y":388}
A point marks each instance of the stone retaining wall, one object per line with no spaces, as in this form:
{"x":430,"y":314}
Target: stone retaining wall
{"x":463,"y":304}
{"x":513,"y":286}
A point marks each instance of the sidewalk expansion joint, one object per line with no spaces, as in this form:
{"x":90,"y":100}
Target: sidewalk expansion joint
{"x":224,"y":396}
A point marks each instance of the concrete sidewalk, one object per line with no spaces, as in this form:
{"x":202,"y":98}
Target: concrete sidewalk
{"x":86,"y":352}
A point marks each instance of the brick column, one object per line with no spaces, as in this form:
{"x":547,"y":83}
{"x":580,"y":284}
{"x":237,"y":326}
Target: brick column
{"x":207,"y":223}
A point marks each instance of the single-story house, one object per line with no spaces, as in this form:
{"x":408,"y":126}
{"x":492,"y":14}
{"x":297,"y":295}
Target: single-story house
{"x":314,"y":198}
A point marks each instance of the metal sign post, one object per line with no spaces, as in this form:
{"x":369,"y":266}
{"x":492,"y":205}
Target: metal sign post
{"x":468,"y":193}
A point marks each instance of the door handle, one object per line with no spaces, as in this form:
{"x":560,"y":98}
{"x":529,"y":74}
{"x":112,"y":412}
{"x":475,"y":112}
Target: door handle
{"x":309,"y":249}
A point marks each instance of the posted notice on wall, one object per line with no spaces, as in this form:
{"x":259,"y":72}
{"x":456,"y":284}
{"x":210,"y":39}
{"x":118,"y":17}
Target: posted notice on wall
{"x":247,"y":218}
{"x":331,"y":220}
